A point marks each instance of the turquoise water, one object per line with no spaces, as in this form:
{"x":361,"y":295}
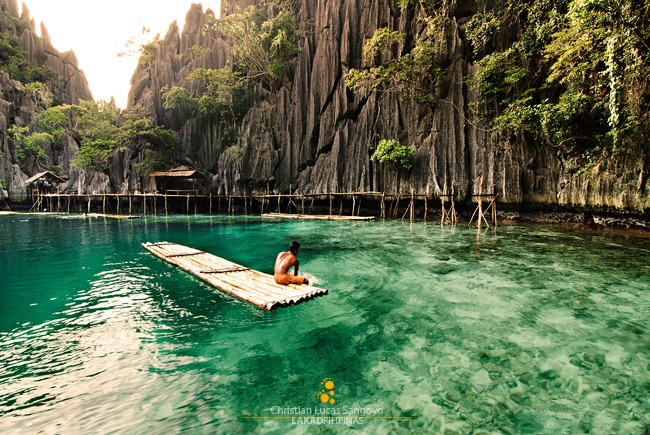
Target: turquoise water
{"x":426,"y":329}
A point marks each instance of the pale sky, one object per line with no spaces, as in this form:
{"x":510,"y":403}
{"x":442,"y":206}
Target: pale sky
{"x":96,"y":30}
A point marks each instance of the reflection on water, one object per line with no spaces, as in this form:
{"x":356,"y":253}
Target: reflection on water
{"x":528,"y":330}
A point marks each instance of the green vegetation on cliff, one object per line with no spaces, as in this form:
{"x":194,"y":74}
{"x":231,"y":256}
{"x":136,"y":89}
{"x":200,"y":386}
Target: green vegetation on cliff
{"x":575,"y":78}
{"x":263,"y":47}
{"x":571,"y":75}
{"x":13,"y":59}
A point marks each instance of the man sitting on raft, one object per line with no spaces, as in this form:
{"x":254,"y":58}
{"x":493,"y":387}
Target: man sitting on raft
{"x":284,"y":262}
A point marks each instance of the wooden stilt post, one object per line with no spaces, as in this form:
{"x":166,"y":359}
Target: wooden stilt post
{"x":442,"y":202}
{"x":341,"y":205}
{"x":166,"y":212}
{"x":155,"y":205}
{"x":187,"y":205}
{"x":130,"y":203}
{"x":68,"y":204}
{"x":104,"y":203}
{"x":302,"y":203}
{"x":279,"y":200}
{"x":229,"y":203}
{"x":494,"y":207}
{"x":117,"y":203}
{"x":426,"y":207}
{"x":412,"y":206}
{"x":452,"y":209}
{"x":330,"y":203}
{"x":210,"y":203}
{"x":89,"y":203}
{"x":144,"y":203}
{"x":383,"y":205}
{"x":354,"y":203}
{"x":480,"y":203}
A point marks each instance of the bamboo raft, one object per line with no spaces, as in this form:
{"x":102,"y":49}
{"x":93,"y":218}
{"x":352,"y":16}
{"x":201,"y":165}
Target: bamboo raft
{"x":250,"y":285}
{"x":317,"y":217}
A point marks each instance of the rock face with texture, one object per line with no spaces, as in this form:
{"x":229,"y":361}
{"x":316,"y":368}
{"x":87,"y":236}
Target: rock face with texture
{"x":315,"y":136}
{"x":18,"y":105}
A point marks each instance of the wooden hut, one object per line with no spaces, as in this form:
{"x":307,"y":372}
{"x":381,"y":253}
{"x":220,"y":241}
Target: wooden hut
{"x":180,"y":181}
{"x":44,"y":182}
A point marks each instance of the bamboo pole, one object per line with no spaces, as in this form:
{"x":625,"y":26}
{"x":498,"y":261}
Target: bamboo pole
{"x":426,"y":207}
{"x":494,"y":207}
{"x":452,"y":210}
{"x":442,"y":218}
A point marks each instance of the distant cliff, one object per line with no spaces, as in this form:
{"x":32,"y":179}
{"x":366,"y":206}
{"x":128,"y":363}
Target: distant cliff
{"x":18,"y":103}
{"x":315,"y":135}
{"x":310,"y":133}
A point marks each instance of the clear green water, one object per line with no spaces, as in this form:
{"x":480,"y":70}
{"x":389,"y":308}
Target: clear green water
{"x":529,"y":330}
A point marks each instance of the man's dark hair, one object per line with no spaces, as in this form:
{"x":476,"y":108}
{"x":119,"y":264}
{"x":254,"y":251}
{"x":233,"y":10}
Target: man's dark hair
{"x":293,"y":246}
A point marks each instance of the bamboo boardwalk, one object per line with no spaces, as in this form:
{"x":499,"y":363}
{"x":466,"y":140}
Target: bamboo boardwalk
{"x":247,"y":284}
{"x":110,"y":216}
{"x":317,"y":217}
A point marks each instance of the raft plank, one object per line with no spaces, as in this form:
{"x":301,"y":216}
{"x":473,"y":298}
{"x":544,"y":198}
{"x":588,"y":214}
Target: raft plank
{"x":250,"y":285}
{"x":317,"y":217}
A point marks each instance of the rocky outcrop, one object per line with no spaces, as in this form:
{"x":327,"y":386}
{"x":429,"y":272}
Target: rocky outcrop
{"x":18,"y":105}
{"x":69,"y":84}
{"x":314,"y":136}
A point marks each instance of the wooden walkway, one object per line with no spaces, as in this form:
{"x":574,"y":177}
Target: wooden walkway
{"x":326,"y":217}
{"x":247,"y":284}
{"x":110,"y":216}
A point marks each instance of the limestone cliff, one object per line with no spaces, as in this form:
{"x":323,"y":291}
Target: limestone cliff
{"x":315,"y":136}
{"x":18,"y":104}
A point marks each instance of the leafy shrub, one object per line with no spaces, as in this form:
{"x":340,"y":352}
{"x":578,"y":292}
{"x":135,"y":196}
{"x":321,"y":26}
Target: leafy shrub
{"x":392,"y":152}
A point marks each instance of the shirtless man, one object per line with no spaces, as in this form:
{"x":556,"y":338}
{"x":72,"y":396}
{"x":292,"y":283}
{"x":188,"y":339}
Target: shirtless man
{"x":284,"y":262}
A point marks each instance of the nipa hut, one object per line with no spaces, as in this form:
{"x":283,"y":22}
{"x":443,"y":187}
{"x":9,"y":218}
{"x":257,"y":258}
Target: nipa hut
{"x":44,"y":182}
{"x":179,"y":181}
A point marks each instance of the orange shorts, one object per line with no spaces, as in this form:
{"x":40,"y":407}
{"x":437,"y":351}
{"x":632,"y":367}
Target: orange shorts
{"x":287,"y":278}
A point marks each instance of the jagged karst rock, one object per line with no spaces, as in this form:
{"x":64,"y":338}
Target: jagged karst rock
{"x":18,"y":106}
{"x":314,"y":136}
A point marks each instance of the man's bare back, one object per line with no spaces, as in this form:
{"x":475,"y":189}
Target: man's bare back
{"x":284,"y":262}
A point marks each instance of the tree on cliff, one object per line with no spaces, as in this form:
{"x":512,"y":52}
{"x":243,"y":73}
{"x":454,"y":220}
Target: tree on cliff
{"x":576,"y":78}
{"x":262,"y":46}
{"x":412,"y":69}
